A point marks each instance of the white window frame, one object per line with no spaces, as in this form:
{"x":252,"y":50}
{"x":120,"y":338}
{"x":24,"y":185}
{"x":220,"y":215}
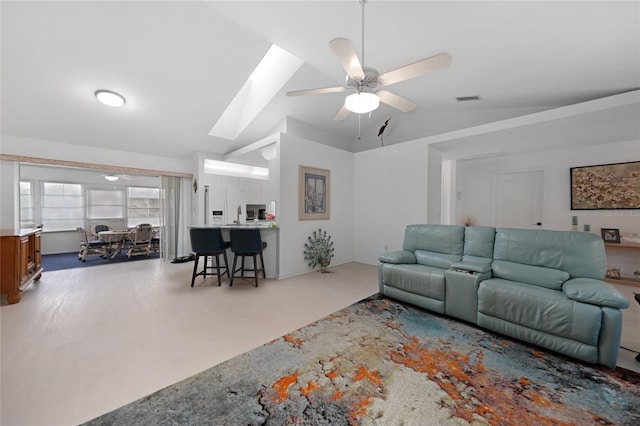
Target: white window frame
{"x":24,"y":223}
{"x":91,"y":203}
{"x":133,"y":221}
{"x":73,"y":223}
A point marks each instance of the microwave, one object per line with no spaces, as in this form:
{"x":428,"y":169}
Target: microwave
{"x":256,"y":211}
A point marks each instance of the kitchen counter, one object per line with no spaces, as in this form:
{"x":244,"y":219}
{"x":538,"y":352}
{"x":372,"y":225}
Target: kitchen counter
{"x":261,"y":225}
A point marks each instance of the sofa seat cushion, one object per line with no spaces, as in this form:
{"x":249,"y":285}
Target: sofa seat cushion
{"x":418,"y":279}
{"x":401,"y":256}
{"x":534,"y":275}
{"x":542,"y":309}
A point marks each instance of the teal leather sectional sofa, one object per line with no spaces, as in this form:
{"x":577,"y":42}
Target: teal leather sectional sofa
{"x":543,"y":287}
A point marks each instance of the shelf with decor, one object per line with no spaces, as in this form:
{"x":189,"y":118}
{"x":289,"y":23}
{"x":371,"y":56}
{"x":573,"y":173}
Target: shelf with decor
{"x":623,"y":245}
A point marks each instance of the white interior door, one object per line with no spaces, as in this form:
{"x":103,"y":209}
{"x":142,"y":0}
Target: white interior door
{"x":518,"y":199}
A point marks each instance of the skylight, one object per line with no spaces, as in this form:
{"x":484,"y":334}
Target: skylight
{"x":274,"y":70}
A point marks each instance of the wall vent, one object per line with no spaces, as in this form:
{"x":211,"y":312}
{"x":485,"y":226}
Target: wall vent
{"x":468,"y":98}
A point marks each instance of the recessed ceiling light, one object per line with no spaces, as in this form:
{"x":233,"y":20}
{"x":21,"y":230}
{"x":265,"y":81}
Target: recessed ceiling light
{"x":110,"y":98}
{"x":111,"y":178}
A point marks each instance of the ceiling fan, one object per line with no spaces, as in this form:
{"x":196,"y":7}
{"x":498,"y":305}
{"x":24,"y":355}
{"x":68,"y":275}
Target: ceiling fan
{"x":364,"y":81}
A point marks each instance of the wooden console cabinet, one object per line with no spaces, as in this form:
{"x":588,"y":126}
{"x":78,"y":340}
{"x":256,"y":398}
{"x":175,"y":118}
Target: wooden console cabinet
{"x":21,"y":261}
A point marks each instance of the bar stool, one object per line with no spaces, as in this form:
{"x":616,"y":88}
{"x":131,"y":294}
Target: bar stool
{"x":247,"y":242}
{"x":208,"y":242}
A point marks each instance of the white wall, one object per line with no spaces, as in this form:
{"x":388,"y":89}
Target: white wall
{"x":14,"y":145}
{"x":474,"y":180}
{"x":295,"y":151}
{"x":434,"y":185}
{"x":293,"y":126}
{"x":10,"y":196}
{"x":390,"y":188}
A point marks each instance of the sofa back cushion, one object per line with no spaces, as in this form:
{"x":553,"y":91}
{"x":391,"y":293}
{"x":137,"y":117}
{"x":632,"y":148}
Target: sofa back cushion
{"x":581,"y":254}
{"x":478,"y":244}
{"x":447,"y":239}
{"x":536,"y":275}
{"x":435,"y":245}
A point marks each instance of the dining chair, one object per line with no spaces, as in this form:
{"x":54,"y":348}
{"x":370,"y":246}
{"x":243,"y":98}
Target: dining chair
{"x":140,"y":240}
{"x":155,"y":239}
{"x":90,"y":244}
{"x":207,"y":242}
{"x":96,"y":229}
{"x":247,"y":242}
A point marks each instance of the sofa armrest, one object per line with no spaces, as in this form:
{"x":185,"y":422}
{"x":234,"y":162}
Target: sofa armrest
{"x":472,"y":267}
{"x":594,"y":292}
{"x":402,"y":256}
{"x":610,"y":336}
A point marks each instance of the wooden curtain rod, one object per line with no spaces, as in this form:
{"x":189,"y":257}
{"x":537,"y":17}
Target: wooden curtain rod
{"x":102,"y":167}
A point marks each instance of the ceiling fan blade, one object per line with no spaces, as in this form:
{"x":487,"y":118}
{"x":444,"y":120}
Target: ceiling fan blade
{"x":416,"y":69}
{"x":321,"y":91}
{"x":395,"y":101}
{"x":342,"y":114}
{"x":343,"y":49}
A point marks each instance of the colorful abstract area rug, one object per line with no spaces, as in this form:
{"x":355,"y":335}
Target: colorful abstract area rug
{"x":385,"y":363}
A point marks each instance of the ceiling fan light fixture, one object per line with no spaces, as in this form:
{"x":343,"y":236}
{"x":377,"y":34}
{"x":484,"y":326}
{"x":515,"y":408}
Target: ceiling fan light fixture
{"x":362,"y":102}
{"x":111,"y":178}
{"x":110,"y":98}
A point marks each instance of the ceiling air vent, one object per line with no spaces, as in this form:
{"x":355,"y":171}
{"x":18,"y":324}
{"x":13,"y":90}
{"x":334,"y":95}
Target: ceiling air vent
{"x":468,"y":98}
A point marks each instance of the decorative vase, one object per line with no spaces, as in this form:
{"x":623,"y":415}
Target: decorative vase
{"x":324,"y":264}
{"x":574,"y":223}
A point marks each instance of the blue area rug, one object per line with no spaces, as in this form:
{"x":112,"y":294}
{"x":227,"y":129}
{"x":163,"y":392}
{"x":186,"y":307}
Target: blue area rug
{"x":56,"y":262}
{"x":385,"y":363}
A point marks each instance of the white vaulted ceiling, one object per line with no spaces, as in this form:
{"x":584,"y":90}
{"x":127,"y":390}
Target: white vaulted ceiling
{"x":180,"y":64}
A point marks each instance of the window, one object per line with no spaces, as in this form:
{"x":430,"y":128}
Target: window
{"x":26,"y":204}
{"x":62,"y":206}
{"x":105,"y":204}
{"x":143,"y":206}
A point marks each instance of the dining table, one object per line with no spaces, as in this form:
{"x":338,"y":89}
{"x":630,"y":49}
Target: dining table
{"x":115,"y":239}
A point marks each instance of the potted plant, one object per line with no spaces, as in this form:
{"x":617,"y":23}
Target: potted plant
{"x":318,"y":250}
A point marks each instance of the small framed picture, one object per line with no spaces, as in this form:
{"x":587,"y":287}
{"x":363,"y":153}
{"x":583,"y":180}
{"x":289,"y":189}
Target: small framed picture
{"x":610,"y":235}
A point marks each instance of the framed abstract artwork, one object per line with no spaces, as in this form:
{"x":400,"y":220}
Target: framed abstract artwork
{"x":606,"y":187}
{"x":314,"y":193}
